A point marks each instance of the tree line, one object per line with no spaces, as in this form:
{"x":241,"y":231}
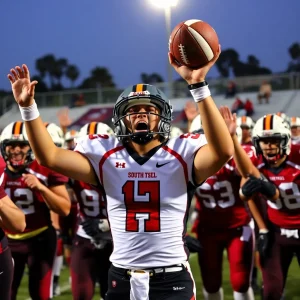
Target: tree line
{"x":51,"y":70}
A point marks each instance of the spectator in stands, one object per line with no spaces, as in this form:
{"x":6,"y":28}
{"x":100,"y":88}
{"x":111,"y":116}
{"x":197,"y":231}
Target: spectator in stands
{"x":238,"y":107}
{"x":265,"y":92}
{"x":249,"y":108}
{"x":231,"y":89}
{"x":77,"y":101}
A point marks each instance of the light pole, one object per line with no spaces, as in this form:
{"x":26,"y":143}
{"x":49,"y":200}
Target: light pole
{"x":167,"y":6}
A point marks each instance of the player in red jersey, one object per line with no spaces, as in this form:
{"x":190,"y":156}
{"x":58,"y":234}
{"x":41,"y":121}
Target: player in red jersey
{"x":281,"y":186}
{"x":246,"y":124}
{"x":12,"y":219}
{"x":90,"y":252}
{"x":35,"y":190}
{"x":224,"y":223}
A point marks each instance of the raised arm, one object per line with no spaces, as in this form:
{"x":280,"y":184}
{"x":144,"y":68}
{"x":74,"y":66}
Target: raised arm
{"x":66,"y":162}
{"x":243,"y":162}
{"x":211,"y":157}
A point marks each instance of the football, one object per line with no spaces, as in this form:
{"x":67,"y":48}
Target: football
{"x":193,"y":43}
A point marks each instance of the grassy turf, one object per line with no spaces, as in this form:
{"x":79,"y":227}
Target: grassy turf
{"x":292,"y":288}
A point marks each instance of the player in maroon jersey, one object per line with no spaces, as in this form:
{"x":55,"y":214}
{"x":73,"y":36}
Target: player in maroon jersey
{"x":13,"y":219}
{"x":90,"y":253}
{"x":224,"y":223}
{"x":35,"y":190}
{"x":246,"y":124}
{"x":281,"y":184}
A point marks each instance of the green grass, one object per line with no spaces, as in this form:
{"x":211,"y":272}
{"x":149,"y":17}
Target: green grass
{"x":292,"y":288}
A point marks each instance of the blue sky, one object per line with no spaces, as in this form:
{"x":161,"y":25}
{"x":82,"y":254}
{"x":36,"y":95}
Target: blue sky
{"x":129,"y":36}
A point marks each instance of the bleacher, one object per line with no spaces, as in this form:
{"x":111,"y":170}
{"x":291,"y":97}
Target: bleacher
{"x":285,"y":101}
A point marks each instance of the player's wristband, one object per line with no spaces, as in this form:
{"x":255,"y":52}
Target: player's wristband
{"x":263,"y":231}
{"x":200,"y":93}
{"x":29,"y":113}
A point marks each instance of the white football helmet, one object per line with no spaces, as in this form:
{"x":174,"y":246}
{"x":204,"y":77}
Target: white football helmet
{"x":285,"y":118}
{"x":95,"y":128}
{"x":15,"y":132}
{"x":196,"y":124}
{"x":272,"y":126}
{"x":56,"y":134}
{"x":71,"y":135}
{"x":245,"y":121}
{"x":175,"y":132}
{"x":295,"y":122}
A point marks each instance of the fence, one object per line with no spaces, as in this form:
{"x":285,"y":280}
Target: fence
{"x":176,"y":89}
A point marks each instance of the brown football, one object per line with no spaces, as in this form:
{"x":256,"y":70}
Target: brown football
{"x":193,"y":43}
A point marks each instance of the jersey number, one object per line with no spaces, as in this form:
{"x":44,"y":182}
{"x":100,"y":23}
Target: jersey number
{"x":290,"y":196}
{"x":23,"y":198}
{"x":210,"y":201}
{"x":149,"y":206}
{"x":90,"y":200}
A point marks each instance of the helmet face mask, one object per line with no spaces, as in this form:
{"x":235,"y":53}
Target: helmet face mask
{"x":14,"y":136}
{"x":272,"y":130}
{"x":142,"y":95}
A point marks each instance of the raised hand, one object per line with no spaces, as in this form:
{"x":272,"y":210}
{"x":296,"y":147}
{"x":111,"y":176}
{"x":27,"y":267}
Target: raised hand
{"x":191,"y":110}
{"x":229,"y":118}
{"x":64,"y":118}
{"x":22,"y":87}
{"x":191,"y":75}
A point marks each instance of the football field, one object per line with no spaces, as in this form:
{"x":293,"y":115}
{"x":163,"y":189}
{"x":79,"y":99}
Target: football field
{"x":292,"y":289}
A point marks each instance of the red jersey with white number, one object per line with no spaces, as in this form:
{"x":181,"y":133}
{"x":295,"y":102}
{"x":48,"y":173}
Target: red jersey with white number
{"x":91,"y":204}
{"x":31,"y":201}
{"x":217,"y":199}
{"x":285,"y":211}
{"x":147,"y":197}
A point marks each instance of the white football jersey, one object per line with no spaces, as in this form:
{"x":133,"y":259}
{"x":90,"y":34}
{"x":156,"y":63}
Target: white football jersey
{"x":148,"y":197}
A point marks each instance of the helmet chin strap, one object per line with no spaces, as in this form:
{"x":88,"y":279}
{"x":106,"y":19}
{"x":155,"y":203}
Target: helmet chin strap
{"x":141,"y":138}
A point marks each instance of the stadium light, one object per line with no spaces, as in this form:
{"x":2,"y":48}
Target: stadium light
{"x":167,"y":5}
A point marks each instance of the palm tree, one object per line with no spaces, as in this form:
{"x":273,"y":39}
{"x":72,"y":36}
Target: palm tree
{"x":59,"y":68}
{"x":50,"y":61}
{"x":41,"y":67}
{"x":72,"y":73}
{"x":102,"y":77}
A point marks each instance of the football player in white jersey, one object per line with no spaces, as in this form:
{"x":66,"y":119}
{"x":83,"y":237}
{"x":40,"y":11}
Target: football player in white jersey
{"x":146,"y":178}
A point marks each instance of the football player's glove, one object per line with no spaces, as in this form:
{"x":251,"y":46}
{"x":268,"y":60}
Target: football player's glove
{"x":258,"y":185}
{"x":99,"y":243}
{"x":94,"y":227}
{"x":192,"y":244}
{"x":263,"y":244}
